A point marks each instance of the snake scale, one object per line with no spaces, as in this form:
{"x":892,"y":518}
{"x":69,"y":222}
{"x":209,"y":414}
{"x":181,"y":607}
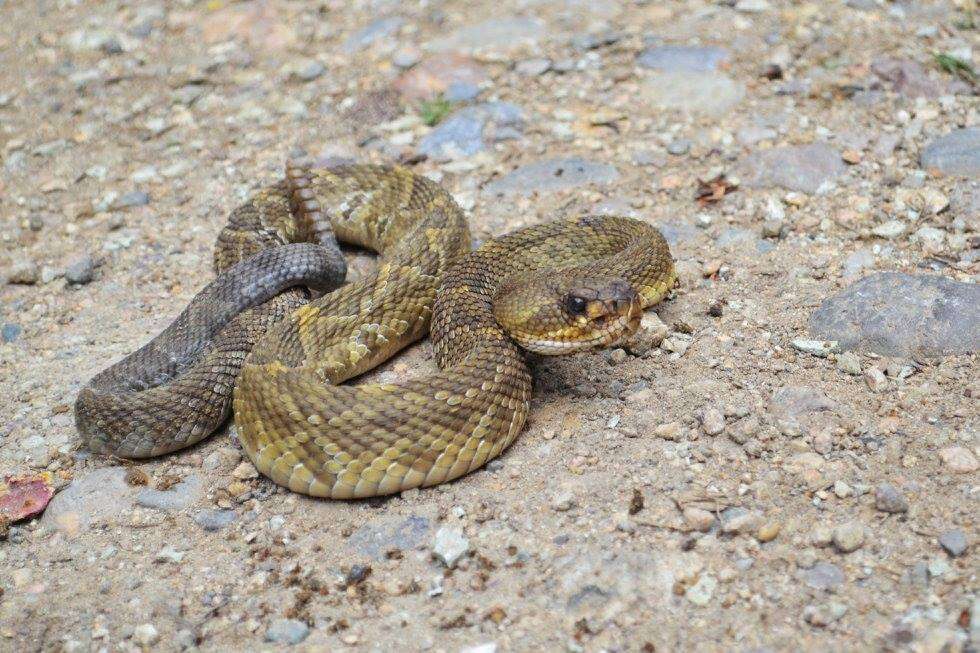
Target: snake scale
{"x":254,"y":341}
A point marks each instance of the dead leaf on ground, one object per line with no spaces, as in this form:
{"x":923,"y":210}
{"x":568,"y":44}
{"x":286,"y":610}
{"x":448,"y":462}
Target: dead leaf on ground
{"x":713,"y":190}
{"x":22,"y":497}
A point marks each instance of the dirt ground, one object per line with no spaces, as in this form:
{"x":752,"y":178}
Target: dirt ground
{"x":727,"y":482}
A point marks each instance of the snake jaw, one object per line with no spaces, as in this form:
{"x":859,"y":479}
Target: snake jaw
{"x":569,"y":313}
{"x":616,"y":310}
{"x":600,"y":324}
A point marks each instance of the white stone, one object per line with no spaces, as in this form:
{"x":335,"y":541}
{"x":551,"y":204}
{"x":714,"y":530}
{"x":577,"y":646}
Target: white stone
{"x":701,"y":592}
{"x":820,"y":348}
{"x":146,"y":635}
{"x":450,"y":545}
{"x":890,"y":230}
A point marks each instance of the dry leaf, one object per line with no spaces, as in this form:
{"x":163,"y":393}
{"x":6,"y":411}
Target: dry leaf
{"x":714,"y":190}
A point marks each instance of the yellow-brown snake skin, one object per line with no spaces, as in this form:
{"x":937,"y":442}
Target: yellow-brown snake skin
{"x":557,"y":287}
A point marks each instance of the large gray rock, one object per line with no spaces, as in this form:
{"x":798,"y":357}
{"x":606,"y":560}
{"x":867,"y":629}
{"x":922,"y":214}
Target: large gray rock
{"x":683,"y":58}
{"x":553,"y":174}
{"x":708,"y":93}
{"x":956,"y":153}
{"x":804,"y":168}
{"x":472,"y":129}
{"x":824,"y":576}
{"x":896,"y":314}
{"x":99,"y":497}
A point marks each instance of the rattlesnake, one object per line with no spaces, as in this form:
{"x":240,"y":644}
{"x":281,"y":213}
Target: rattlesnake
{"x":552,"y":288}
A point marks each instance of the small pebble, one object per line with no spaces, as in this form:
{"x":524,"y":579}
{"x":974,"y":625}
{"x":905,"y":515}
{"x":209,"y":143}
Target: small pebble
{"x":819,"y":348}
{"x":563,"y":502}
{"x":740,"y":522}
{"x":679,"y":147}
{"x":670,"y":431}
{"x":10,"y":332}
{"x":938,"y":568}
{"x":701,"y":592}
{"x":824,"y":615}
{"x":357,"y":574}
{"x":406,"y":57}
{"x":849,"y":363}
{"x":875,"y":379}
{"x":617,"y":356}
{"x":954,"y":542}
{"x":890,"y":230}
{"x":849,"y":537}
{"x":49,"y":274}
{"x":769,"y":531}
{"x":824,"y":576}
{"x":889,"y":499}
{"x":648,"y":337}
{"x":823,"y":442}
{"x":806,"y":559}
{"x":699,"y":519}
{"x":450,"y":545}
{"x":713,"y":421}
{"x":287,"y":631}
{"x":533,"y":67}
{"x":308,"y":70}
{"x":773,"y":228}
{"x":677,"y":344}
{"x":624,"y":524}
{"x":488,"y":647}
{"x":213,"y":520}
{"x":959,"y":460}
{"x":24,"y":272}
{"x":132,"y":199}
{"x":753,"y":6}
{"x":169,"y":554}
{"x":146,"y":635}
{"x":185,"y":639}
{"x":81,"y":270}
{"x":842,"y":490}
{"x":145,"y":174}
{"x":821,"y":536}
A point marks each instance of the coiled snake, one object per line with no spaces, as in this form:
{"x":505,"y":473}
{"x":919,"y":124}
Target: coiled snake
{"x":252,"y":340}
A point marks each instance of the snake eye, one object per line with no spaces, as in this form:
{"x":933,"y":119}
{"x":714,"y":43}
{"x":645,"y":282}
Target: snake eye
{"x":575,"y":305}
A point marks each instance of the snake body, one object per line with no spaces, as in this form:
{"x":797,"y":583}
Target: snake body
{"x":556,"y":287}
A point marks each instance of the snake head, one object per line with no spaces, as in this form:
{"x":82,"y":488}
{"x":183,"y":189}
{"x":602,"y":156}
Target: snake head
{"x":563,"y":313}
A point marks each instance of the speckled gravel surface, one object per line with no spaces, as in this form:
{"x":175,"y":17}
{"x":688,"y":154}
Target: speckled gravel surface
{"x":786,"y":459}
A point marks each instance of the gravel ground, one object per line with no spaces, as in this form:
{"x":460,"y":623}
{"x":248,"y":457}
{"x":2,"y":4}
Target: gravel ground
{"x":785,"y":460}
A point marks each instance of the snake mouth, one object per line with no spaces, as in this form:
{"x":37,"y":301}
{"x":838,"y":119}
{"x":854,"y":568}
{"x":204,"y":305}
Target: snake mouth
{"x":619,"y":322}
{"x":620,"y":314}
{"x":626,"y":323}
